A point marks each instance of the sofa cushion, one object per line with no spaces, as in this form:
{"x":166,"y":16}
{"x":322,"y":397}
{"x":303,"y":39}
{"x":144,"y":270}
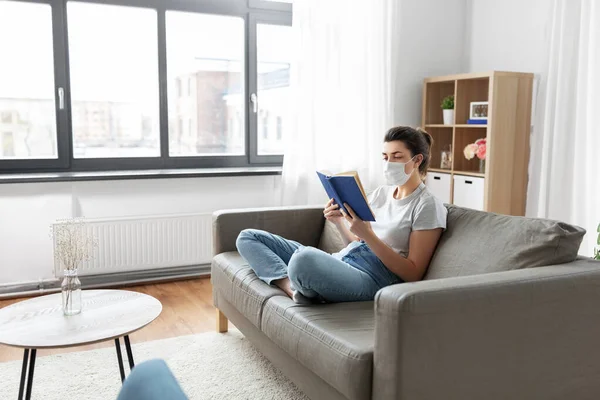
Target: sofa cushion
{"x":335,"y":341}
{"x":236,"y":282}
{"x":478,"y":242}
{"x":331,"y":240}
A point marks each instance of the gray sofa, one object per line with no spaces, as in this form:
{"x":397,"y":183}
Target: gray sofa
{"x":504,"y":312}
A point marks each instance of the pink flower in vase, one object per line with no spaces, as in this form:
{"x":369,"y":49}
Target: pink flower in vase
{"x":481,"y":148}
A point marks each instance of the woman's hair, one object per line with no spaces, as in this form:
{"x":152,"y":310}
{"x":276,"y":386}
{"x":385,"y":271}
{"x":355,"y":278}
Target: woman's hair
{"x":416,"y":140}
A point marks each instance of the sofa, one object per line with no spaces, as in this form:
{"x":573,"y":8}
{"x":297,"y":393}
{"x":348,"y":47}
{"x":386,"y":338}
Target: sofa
{"x":507,"y":310}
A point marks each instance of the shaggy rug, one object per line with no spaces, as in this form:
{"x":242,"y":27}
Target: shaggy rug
{"x":208,"y":366}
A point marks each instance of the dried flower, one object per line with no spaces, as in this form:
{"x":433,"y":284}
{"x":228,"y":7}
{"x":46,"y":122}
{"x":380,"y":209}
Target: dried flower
{"x":73,"y":242}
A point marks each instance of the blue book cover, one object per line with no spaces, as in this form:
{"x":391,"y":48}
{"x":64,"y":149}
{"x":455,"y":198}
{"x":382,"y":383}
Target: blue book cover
{"x":346,"y":188}
{"x":477,"y":121}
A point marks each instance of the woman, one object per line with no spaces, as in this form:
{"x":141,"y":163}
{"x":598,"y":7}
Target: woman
{"x":396,"y":248}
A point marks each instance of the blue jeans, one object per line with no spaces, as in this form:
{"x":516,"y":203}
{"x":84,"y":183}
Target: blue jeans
{"x":353,"y":274}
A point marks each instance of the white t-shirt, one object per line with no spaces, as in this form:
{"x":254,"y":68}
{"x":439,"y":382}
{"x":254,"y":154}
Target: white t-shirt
{"x":396,"y":219}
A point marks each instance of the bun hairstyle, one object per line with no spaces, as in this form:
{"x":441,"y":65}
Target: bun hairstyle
{"x":416,"y":140}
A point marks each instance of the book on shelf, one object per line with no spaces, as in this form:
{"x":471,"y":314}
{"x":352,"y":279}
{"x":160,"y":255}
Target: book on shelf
{"x":477,"y":121}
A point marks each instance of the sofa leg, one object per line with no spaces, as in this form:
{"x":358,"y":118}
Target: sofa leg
{"x":221,"y":322}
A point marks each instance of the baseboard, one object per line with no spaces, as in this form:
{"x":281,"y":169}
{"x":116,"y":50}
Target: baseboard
{"x":108,"y":280}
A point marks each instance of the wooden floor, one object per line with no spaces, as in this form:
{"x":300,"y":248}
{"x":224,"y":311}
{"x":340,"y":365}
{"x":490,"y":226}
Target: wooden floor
{"x":187,"y":309}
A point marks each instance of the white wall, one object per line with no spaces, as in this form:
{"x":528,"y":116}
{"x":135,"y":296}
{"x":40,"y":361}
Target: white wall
{"x":508,"y":35}
{"x":27,"y":210}
{"x":432,"y":42}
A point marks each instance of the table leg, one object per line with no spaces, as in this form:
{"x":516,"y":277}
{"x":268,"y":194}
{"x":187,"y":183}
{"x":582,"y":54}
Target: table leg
{"x":129,"y":352}
{"x":120,"y":358}
{"x":28,"y":361}
{"x":23,"y":373}
{"x":30,"y":377}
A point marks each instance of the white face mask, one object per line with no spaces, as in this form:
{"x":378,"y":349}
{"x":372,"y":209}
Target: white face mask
{"x":395,"y":172}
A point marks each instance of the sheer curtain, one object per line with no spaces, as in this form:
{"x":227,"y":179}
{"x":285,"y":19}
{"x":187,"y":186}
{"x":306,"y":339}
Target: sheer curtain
{"x":343,"y":90}
{"x":565,"y":168}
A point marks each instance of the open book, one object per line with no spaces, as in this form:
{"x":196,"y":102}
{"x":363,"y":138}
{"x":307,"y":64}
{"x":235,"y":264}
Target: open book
{"x":346,"y":188}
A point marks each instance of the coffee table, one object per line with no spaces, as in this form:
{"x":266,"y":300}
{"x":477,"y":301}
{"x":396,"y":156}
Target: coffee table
{"x":39,"y":323}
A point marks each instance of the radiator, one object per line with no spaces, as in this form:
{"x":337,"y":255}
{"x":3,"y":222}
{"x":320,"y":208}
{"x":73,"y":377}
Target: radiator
{"x":144,"y":243}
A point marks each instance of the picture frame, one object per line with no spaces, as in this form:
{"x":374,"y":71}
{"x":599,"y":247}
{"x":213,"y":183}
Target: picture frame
{"x":478,"y":110}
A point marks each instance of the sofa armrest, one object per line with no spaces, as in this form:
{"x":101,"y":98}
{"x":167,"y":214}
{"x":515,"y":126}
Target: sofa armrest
{"x":523,"y":334}
{"x":302,"y":224}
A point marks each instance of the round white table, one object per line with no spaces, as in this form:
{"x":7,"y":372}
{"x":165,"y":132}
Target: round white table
{"x":39,"y":323}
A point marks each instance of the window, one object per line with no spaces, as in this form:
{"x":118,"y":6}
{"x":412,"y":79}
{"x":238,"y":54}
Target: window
{"x":264,"y":125}
{"x":214,"y":59}
{"x":272,"y":4}
{"x":27,"y":114}
{"x":8,"y":144}
{"x":273,"y":78}
{"x":94,"y":85}
{"x":117,"y":86}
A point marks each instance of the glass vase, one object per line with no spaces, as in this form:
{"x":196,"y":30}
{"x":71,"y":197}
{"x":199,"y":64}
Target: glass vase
{"x":71,"y":292}
{"x":482,"y":166}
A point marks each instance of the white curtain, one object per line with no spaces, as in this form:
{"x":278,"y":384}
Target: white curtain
{"x":565,"y":154}
{"x":343,"y":90}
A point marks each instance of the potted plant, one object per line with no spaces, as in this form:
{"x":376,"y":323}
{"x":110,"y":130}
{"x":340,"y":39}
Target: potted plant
{"x":448,"y":110}
{"x":479,"y":149}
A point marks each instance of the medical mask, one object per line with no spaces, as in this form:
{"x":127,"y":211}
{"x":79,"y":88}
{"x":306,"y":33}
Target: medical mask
{"x":395,"y":173}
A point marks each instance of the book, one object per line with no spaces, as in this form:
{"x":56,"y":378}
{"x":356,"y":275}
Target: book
{"x":347,"y":188}
{"x":477,"y":121}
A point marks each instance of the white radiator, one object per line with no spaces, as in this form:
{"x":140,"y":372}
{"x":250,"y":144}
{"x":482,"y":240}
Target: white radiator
{"x":142,"y":243}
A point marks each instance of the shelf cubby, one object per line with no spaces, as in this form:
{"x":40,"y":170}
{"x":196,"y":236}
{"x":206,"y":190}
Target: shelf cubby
{"x":467,"y":91}
{"x":434,"y":94}
{"x":442,"y":139}
{"x":463,"y":137}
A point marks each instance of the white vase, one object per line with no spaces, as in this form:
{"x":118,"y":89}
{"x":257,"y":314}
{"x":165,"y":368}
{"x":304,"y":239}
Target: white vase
{"x":448,"y":117}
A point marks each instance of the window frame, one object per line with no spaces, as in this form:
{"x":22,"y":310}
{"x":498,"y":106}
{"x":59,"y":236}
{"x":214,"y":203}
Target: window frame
{"x":250,"y":11}
{"x":61,"y":117}
{"x":270,"y":5}
{"x":255,"y":20}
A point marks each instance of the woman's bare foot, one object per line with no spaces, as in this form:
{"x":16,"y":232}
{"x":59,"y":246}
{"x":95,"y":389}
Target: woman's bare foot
{"x":284,"y":284}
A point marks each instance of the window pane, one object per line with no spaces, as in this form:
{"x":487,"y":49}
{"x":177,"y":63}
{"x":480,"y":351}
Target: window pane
{"x":114,"y":81}
{"x":27,"y":104}
{"x":205,"y":67}
{"x":273,"y":55}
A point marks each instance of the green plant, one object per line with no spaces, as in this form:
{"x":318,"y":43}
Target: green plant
{"x":448,"y":103}
{"x":597,"y":251}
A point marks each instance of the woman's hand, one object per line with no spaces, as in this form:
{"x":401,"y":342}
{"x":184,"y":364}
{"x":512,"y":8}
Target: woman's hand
{"x":332,"y":212}
{"x":357,"y":226}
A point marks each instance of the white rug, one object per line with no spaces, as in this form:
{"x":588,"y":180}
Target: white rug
{"x":208,"y":366}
